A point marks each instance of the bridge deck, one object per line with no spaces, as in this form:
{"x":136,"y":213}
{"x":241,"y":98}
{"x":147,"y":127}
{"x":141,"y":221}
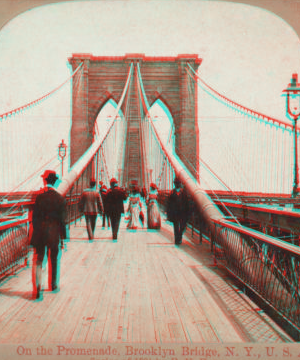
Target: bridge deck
{"x":139,"y":289}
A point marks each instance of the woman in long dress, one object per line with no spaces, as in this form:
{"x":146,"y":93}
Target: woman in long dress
{"x":153,"y":214}
{"x":134,"y":208}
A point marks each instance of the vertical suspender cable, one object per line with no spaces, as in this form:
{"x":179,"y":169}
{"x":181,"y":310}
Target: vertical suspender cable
{"x":267,"y":157}
{"x":78,"y":167}
{"x":286,"y":169}
{"x":257,"y":154}
{"x":273,"y":152}
{"x":278,"y":164}
{"x":283,"y":174}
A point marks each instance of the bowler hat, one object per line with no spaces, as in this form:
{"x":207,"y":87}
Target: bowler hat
{"x":50,"y":176}
{"x":153,"y":186}
{"x":113,"y":181}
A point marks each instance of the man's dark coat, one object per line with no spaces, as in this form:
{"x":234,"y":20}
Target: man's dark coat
{"x":48,"y":219}
{"x":114,"y":201}
{"x":178,"y":206}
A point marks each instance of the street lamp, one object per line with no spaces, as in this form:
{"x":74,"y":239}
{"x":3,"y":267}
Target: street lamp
{"x":62,"y":150}
{"x":293,"y":112}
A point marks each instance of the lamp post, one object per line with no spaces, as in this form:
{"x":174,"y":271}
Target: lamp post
{"x":62,"y":151}
{"x":293,"y":111}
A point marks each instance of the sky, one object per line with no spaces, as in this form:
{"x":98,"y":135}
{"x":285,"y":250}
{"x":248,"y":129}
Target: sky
{"x":249,"y":54}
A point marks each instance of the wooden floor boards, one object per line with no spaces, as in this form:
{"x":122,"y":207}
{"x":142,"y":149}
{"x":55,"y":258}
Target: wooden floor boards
{"x":139,"y":289}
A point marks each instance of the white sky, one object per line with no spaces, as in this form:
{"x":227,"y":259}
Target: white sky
{"x":248,"y":53}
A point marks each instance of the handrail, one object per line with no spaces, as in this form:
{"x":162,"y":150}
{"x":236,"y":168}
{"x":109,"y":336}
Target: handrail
{"x":243,"y":252}
{"x":260,"y":236}
{"x":75,"y":172}
{"x":13,"y":222}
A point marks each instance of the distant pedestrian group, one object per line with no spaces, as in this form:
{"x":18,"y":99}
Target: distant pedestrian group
{"x":49,"y":217}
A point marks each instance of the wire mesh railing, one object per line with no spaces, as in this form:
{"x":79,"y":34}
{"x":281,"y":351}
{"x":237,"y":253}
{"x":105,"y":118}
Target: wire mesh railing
{"x":266,"y":265}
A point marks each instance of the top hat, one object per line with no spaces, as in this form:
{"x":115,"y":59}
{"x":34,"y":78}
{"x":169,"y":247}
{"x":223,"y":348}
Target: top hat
{"x":50,"y":176}
{"x":113,"y":181}
{"x":177,"y":180}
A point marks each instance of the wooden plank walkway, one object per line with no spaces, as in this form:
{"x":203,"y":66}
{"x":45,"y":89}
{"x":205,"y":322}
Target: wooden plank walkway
{"x":140,"y":289}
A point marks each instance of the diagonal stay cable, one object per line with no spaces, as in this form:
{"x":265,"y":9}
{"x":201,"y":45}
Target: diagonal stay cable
{"x":42,"y":98}
{"x":234,"y":104}
{"x":77,"y":169}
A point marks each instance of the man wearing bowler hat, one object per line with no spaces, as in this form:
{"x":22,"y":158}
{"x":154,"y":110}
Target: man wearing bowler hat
{"x":178,"y":210}
{"x":115,"y":205}
{"x":49,"y":230}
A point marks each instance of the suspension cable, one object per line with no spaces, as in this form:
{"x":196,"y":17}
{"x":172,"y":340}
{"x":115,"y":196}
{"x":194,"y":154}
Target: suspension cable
{"x":145,"y":103}
{"x":225,"y":207}
{"x":27,"y":180}
{"x":235,"y":105}
{"x":39,"y":100}
{"x":81,"y":164}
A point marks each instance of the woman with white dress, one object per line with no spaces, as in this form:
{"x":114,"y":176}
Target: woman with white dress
{"x":134,"y":208}
{"x":153,"y":214}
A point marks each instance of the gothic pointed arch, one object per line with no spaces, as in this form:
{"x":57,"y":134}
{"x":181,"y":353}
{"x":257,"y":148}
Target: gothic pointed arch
{"x":163,"y":77}
{"x":163,"y":121}
{"x":106,"y":114}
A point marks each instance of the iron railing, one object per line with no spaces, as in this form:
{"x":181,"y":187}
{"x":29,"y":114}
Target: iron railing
{"x":15,"y":234}
{"x":14,"y":243}
{"x":266,"y":265}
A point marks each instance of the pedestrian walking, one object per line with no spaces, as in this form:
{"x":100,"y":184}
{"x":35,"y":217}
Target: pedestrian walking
{"x":103,"y":193}
{"x":153,"y":214}
{"x":49,"y":230}
{"x":90,"y":205}
{"x":134,"y":208}
{"x":115,"y":206}
{"x":144,"y":193}
{"x":178,"y":210}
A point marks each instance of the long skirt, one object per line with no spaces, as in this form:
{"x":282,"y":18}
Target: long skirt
{"x":153,"y":216}
{"x":134,"y":213}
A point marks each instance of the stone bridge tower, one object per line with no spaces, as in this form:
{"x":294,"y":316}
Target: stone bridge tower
{"x":164,"y":78}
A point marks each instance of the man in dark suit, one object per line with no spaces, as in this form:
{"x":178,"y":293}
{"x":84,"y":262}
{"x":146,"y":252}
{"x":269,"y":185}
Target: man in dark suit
{"x":178,"y":210}
{"x":90,"y":204}
{"x":115,"y":206}
{"x":49,"y":229}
